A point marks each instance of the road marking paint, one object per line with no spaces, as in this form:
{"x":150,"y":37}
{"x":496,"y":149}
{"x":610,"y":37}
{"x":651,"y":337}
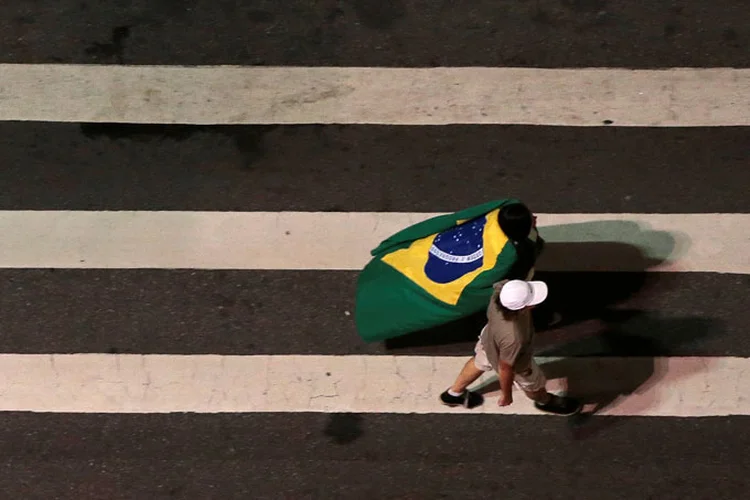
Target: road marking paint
{"x":128,"y":383}
{"x":342,"y":241}
{"x":687,"y":97}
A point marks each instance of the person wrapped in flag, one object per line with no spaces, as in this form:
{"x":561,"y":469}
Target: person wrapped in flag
{"x":443,"y":269}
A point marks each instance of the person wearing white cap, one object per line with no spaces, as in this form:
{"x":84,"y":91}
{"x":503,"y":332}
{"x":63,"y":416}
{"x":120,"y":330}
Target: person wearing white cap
{"x":505,"y":346}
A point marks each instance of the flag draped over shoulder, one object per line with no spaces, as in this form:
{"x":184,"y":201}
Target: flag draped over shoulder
{"x":433,"y":272}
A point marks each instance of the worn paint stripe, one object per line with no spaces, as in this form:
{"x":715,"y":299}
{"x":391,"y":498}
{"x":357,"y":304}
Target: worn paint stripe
{"x":396,"y":96}
{"x":342,"y":241}
{"x":117,"y":383}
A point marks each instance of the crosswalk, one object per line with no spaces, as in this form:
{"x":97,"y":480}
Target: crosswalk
{"x":271,"y":240}
{"x":117,"y":383}
{"x":183,"y":222}
{"x":384,"y":96}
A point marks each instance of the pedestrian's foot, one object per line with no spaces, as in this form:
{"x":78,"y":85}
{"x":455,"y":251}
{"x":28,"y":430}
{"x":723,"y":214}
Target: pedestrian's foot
{"x":468,"y":399}
{"x":560,"y":405}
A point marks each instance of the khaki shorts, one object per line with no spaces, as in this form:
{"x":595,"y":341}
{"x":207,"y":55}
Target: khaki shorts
{"x":530,"y":381}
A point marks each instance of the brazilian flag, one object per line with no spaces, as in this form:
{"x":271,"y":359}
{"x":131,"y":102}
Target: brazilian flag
{"x":433,"y":272}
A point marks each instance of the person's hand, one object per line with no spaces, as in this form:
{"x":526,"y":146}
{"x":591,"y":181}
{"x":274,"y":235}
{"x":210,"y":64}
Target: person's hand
{"x":505,"y":400}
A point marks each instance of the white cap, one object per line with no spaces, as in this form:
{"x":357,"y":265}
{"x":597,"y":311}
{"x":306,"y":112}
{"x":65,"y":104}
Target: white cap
{"x":517,"y":294}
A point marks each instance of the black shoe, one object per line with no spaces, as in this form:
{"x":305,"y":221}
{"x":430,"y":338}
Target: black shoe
{"x":468,"y":399}
{"x":560,"y":406}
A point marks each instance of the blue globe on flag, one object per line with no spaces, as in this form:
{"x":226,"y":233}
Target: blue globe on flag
{"x":456,"y":252}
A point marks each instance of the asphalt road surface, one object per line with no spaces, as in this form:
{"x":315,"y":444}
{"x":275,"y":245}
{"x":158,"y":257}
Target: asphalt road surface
{"x":75,"y":166}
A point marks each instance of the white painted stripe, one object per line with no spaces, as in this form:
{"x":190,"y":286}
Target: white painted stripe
{"x":678,"y":387}
{"x":399,"y":96}
{"x":342,"y":241}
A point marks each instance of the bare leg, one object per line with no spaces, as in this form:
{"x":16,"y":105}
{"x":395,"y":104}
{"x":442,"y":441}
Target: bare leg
{"x":468,"y":375}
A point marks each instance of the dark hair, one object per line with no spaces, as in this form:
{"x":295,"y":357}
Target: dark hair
{"x":515,"y":220}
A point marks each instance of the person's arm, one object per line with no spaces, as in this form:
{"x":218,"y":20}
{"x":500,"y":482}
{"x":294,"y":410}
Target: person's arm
{"x":506,"y":384}
{"x":509,"y":349}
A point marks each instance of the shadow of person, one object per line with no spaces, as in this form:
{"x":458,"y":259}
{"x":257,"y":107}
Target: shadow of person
{"x":624,"y":359}
{"x":608,"y":245}
{"x":589,"y":267}
{"x":604,"y":370}
{"x":576,"y":297}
